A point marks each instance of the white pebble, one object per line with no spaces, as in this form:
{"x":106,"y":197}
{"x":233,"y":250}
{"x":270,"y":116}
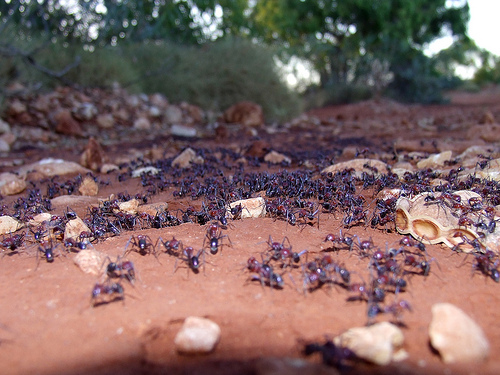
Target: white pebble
{"x":456,"y":336}
{"x":197,"y":335}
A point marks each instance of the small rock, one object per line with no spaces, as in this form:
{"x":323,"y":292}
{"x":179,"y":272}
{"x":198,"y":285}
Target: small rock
{"x":88,"y":187}
{"x":245,"y":113}
{"x":105,"y":121}
{"x":11,"y":184}
{"x":488,"y":118}
{"x":252,"y":207}
{"x":142,"y":123}
{"x":74,"y":227}
{"x":146,"y":170}
{"x":153,"y":209}
{"x":183,"y":131}
{"x":93,"y":156}
{"x":40,"y":219}
{"x":85,"y":111}
{"x":107,"y":168}
{"x":456,"y":336}
{"x":258,"y":149}
{"x":129,"y":207}
{"x":274,"y":157}
{"x":435,"y":160}
{"x":4,"y":127}
{"x":186,"y":157}
{"x":371,"y":166}
{"x":51,"y":167}
{"x":173,"y":115}
{"x":9,"y":225}
{"x":91,"y":261}
{"x":377,"y":343}
{"x":4,"y":146}
{"x":197,"y":335}
{"x":66,"y":124}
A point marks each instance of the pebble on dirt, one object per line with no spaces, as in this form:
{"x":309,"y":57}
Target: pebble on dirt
{"x":51,"y":167}
{"x":197,"y":336}
{"x":372,"y":166}
{"x":435,"y":160}
{"x":252,"y":207}
{"x":186,"y":157}
{"x":380,"y":343}
{"x":245,"y":113}
{"x":74,"y":228}
{"x":91,"y":261}
{"x":93,"y":157}
{"x":9,"y":225}
{"x":456,"y":336}
{"x":274,"y":157}
{"x":88,"y":187}
{"x":11,"y":184}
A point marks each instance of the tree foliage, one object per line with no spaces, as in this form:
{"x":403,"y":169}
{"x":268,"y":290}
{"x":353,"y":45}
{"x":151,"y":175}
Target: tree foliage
{"x":361,"y":42}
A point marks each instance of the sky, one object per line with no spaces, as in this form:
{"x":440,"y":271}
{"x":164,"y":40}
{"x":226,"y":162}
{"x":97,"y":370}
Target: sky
{"x":484,"y":27}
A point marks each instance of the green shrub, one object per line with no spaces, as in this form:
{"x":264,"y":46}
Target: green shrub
{"x":215,"y":76}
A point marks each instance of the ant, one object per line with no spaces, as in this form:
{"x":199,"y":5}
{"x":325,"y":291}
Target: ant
{"x":121,"y":269}
{"x":332,"y":354}
{"x":214,"y":235}
{"x":396,"y":309}
{"x":172,"y":246}
{"x":265,"y":273}
{"x":484,"y":263}
{"x":340,"y":240}
{"x":141,"y":244}
{"x":278,"y":251}
{"x":13,"y":242}
{"x":47,"y":249}
{"x":192,"y":259}
{"x":71,"y":243}
{"x":111,"y":292}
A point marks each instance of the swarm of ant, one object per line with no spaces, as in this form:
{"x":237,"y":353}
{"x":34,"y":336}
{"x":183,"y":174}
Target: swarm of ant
{"x":298,"y":198}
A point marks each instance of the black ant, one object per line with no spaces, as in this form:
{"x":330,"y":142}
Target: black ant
{"x":106,"y":292}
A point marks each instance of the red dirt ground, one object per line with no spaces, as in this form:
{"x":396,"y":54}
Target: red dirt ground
{"x":47,"y":325}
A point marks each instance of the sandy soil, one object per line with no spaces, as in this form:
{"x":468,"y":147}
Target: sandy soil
{"x":48,"y":326}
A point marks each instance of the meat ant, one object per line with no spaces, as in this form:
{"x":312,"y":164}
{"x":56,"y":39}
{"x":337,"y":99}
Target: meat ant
{"x":396,"y":309}
{"x":172,"y":247}
{"x":332,"y":354}
{"x":13,"y":242}
{"x":265,"y":273}
{"x":192,"y":259}
{"x":484,"y":263}
{"x":142,"y":244}
{"x":280,"y":251}
{"x":106,"y":292}
{"x":340,"y":240}
{"x":47,"y":249}
{"x":213,"y":236}
{"x":121,"y":269}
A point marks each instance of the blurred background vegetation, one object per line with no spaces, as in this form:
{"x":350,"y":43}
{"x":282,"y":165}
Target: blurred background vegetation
{"x":286,"y":55}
